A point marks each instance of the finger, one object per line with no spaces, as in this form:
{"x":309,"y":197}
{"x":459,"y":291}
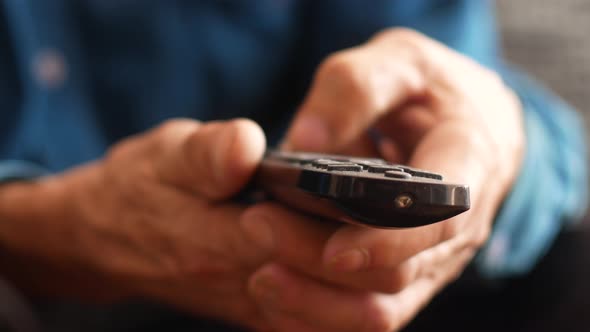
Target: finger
{"x":353,"y":248}
{"x":287,"y":235}
{"x":290,"y":294}
{"x":402,"y":307}
{"x":452,"y":149}
{"x":405,"y":127}
{"x":355,"y":87}
{"x":394,"y":279}
{"x":297,"y":241}
{"x":214,"y":160}
{"x":291,"y":300}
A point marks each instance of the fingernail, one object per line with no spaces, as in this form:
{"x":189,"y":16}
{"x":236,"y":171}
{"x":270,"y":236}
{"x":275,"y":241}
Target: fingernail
{"x":309,"y":133}
{"x":350,"y":261}
{"x":266,"y":289}
{"x":258,"y":230}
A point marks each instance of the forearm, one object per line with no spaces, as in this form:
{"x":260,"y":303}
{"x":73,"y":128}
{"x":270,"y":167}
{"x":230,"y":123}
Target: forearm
{"x":27,"y":211}
{"x":38,"y":240}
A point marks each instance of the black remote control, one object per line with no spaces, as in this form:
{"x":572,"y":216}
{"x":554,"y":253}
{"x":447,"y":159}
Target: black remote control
{"x":364,"y":191}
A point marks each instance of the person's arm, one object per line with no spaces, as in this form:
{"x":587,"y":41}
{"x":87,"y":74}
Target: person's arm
{"x":21,"y":200}
{"x":150,"y":219}
{"x":11,"y":170}
{"x":30,"y":210}
{"x":551,"y":189}
{"x":436,"y":109}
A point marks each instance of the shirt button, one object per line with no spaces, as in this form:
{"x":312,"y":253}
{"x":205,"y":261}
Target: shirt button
{"x":49,"y":68}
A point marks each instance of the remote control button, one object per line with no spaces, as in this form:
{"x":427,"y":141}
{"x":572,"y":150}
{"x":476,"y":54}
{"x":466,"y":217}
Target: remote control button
{"x":345,"y":167}
{"x":323,"y":163}
{"x":340,"y":159}
{"x":367,"y":160}
{"x":397,"y":175}
{"x":383,"y":168}
{"x":365,"y":164}
{"x":422,"y":174}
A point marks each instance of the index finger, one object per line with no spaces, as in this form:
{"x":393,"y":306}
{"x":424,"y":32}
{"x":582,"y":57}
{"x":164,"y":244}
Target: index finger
{"x":452,"y":149}
{"x":353,"y":88}
{"x":297,"y":241}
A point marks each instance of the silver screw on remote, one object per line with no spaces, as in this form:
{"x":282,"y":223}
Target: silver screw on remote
{"x":403,"y":201}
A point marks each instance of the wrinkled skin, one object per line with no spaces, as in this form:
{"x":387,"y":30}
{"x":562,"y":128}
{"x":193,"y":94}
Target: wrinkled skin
{"x":154,"y":219}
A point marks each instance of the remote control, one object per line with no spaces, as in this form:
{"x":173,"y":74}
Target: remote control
{"x":366,"y":191}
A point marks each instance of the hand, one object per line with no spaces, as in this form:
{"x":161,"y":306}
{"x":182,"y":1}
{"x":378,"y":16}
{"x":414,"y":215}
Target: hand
{"x":149,"y":220}
{"x":436,"y":110}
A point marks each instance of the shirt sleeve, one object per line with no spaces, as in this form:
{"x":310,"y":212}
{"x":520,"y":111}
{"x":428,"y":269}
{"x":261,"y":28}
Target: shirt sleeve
{"x":11,"y":170}
{"x":551,"y":189}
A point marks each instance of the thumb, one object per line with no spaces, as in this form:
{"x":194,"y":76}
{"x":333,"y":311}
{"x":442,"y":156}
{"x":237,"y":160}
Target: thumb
{"x":214,"y":160}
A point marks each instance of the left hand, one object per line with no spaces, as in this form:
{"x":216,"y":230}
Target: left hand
{"x":436,"y":110}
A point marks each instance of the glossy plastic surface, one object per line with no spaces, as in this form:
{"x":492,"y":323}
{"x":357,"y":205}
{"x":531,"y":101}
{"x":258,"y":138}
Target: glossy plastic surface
{"x":356,"y":195}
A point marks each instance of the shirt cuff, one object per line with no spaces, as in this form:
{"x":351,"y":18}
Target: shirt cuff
{"x":11,"y":170}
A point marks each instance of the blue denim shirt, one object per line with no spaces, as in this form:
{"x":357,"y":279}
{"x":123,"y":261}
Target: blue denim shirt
{"x":76,"y":76}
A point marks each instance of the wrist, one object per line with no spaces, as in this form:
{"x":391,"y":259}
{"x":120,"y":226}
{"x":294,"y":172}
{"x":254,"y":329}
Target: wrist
{"x":39,"y":252}
{"x":28,"y":211}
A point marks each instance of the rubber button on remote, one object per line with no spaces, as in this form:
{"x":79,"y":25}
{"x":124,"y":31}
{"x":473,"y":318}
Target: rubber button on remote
{"x":364,"y":164}
{"x":422,"y":174}
{"x":383,"y":168}
{"x":323,"y":163}
{"x":345,"y":167}
{"x":398,"y":175}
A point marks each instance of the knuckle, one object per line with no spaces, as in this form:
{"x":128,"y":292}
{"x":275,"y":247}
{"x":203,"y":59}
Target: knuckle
{"x":338,"y":65}
{"x":402,"y":34}
{"x":194,"y":154}
{"x":196,"y":166}
{"x":170,"y":125}
{"x":130,"y":147}
{"x":422,"y":51}
{"x":169,"y":132}
{"x":346,"y":77}
{"x":400,"y":278}
{"x":119,"y":151}
{"x":208,"y":267}
{"x":206,"y":154}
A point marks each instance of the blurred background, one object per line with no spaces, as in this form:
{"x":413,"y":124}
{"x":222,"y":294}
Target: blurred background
{"x":551,"y":40}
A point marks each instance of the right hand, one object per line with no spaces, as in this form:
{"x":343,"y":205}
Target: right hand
{"x":150,"y":219}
